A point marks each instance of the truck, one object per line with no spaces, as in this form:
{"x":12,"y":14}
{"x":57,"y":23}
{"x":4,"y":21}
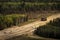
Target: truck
{"x":43,"y":18}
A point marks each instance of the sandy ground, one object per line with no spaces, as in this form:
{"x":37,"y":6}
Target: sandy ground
{"x":25,"y":29}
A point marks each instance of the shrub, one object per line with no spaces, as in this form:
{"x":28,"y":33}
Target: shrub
{"x":55,"y":22}
{"x":11,"y":20}
{"x":51,"y":30}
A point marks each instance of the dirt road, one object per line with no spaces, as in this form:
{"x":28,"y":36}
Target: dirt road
{"x":25,"y":29}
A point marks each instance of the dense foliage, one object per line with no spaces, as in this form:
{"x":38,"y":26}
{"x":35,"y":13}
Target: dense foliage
{"x":51,"y":30}
{"x":11,"y":20}
{"x":17,"y":7}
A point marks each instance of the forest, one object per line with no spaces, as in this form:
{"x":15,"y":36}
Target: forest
{"x":20,"y":6}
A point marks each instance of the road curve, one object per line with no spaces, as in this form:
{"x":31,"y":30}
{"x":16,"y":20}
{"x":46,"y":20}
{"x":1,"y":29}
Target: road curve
{"x":25,"y":29}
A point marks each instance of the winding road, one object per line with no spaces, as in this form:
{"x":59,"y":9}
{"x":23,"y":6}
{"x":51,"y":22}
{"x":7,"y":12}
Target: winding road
{"x":25,"y":29}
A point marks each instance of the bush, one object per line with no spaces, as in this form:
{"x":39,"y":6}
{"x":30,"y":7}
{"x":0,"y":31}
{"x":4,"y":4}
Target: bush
{"x":55,"y":22}
{"x":11,"y":20}
{"x":51,"y":30}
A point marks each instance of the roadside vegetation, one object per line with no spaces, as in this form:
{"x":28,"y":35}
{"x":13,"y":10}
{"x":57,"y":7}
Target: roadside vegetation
{"x":50,"y":30}
{"x":11,"y":20}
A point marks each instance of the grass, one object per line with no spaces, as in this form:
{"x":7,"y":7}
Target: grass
{"x":28,"y":22}
{"x":7,"y":21}
{"x":16,"y":15}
